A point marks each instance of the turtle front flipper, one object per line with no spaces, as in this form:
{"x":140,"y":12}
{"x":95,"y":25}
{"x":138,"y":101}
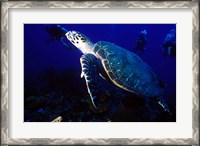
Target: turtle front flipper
{"x":90,"y":72}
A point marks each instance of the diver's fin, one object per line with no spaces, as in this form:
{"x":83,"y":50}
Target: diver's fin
{"x":91,"y":75}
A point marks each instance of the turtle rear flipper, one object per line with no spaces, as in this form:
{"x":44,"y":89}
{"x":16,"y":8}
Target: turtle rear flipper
{"x":164,"y":105}
{"x":89,"y":64}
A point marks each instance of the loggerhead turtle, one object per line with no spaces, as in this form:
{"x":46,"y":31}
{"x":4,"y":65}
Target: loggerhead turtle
{"x":118,"y":65}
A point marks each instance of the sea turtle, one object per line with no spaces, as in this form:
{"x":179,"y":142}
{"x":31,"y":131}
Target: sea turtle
{"x":118,"y":65}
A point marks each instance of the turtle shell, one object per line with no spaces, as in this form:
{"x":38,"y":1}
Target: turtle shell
{"x":127,"y":70}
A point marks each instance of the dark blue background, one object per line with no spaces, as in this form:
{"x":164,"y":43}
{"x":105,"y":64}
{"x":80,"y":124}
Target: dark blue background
{"x":41,"y":53}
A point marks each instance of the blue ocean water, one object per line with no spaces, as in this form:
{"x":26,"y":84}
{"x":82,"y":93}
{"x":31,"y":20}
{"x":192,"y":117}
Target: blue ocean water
{"x":50,"y":66}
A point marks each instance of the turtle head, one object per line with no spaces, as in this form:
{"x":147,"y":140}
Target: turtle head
{"x":81,"y":41}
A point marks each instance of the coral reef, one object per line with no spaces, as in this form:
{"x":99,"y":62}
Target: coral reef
{"x":70,"y":104}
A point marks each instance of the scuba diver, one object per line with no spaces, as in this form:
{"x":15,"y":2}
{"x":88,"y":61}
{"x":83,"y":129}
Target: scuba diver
{"x":141,"y":41}
{"x":57,"y":32}
{"x":169,"y":44}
